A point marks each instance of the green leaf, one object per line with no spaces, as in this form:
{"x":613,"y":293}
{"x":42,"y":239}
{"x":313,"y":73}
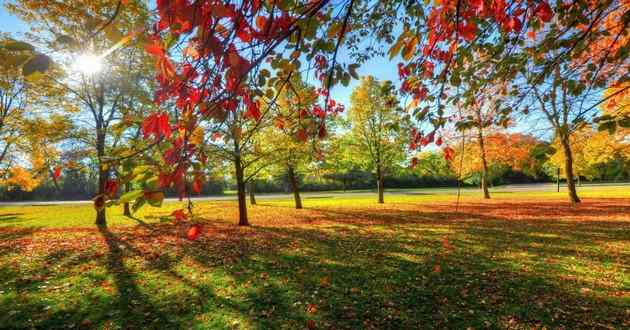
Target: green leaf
{"x":138,"y":204}
{"x":130,"y":196}
{"x":154,"y":198}
{"x":15,"y":45}
{"x":611,"y":126}
{"x":352,"y":69}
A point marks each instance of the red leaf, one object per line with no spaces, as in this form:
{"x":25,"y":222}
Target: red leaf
{"x":196,"y":186}
{"x":414,"y":162}
{"x":155,"y":49}
{"x":111,"y":187}
{"x":179,"y":215}
{"x":57,"y":172}
{"x":449,"y":153}
{"x":156,"y":124}
{"x":513,"y":24}
{"x":544,"y":12}
{"x":253,"y":109}
{"x":193,"y":232}
{"x":469,"y":31}
{"x":244,"y":35}
{"x":301,"y":135}
{"x":437,"y":269}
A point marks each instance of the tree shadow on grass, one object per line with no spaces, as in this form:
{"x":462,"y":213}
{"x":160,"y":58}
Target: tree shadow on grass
{"x":6,"y":218}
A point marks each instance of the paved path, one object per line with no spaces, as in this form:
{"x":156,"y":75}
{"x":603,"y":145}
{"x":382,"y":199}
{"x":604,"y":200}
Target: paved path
{"x":310,"y":195}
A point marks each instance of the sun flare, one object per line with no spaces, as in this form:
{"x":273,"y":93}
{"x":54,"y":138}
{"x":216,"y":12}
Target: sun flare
{"x":89,"y":64}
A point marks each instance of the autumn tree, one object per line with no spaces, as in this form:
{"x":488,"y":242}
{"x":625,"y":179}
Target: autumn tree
{"x":480,"y":115}
{"x":341,"y":163}
{"x":87,"y":36}
{"x":42,"y":143}
{"x":433,"y":164}
{"x":210,"y":57}
{"x":288,"y":139}
{"x":20,"y":87}
{"x":501,"y":150}
{"x":377,"y":123}
{"x":449,"y":44}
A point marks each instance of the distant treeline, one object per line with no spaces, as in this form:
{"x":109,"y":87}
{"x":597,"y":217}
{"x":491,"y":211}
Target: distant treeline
{"x":75,"y":186}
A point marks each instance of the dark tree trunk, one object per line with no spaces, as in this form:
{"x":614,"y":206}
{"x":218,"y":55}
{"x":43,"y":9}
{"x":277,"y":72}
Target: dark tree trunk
{"x":103,"y":174}
{"x":568,"y":160}
{"x":558,"y":180}
{"x":126,"y":208}
{"x":252,"y":193}
{"x":484,"y":162}
{"x":380,"y":184}
{"x":240,"y":185}
{"x":295,"y":188}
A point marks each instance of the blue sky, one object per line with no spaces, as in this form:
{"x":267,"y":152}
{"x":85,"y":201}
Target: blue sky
{"x":10,"y":23}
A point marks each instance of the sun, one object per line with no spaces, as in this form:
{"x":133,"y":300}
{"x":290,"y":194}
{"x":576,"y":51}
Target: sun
{"x":89,"y":64}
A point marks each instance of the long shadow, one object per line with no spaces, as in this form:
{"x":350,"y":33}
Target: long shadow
{"x":131,"y":301}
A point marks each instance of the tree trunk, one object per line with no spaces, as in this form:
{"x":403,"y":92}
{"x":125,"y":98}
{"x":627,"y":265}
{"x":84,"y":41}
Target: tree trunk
{"x":126,"y":209}
{"x":240,"y":185}
{"x":558,"y":179}
{"x":484,"y":162}
{"x":252,"y":193}
{"x":568,"y":160}
{"x":103,"y":173}
{"x":380,"y":184}
{"x":295,"y":187}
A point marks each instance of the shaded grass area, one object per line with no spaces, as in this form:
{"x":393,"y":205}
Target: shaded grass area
{"x":519,"y":261}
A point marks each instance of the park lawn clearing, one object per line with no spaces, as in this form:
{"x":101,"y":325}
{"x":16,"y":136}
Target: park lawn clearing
{"x":520,"y":260}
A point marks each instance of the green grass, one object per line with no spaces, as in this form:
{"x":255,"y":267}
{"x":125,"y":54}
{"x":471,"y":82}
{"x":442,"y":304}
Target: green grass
{"x":522,"y":260}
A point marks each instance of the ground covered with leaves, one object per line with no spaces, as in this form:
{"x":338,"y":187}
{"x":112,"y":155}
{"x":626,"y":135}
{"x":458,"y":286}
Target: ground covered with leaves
{"x":419,"y":261}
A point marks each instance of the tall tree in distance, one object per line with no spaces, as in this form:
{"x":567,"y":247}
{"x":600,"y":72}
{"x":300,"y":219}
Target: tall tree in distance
{"x":377,"y":120}
{"x":293,"y":124}
{"x":481,"y":115}
{"x":501,"y":151}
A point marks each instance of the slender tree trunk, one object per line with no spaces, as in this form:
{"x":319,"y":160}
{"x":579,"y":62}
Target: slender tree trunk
{"x":568,"y":159}
{"x":103,"y":173}
{"x":380,"y":184}
{"x":295,"y":187}
{"x":252,"y":193}
{"x":240,"y":185}
{"x":558,"y":179}
{"x":126,"y":209}
{"x":484,"y":162}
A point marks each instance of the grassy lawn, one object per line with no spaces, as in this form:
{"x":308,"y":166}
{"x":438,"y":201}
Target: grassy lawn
{"x":520,"y":260}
